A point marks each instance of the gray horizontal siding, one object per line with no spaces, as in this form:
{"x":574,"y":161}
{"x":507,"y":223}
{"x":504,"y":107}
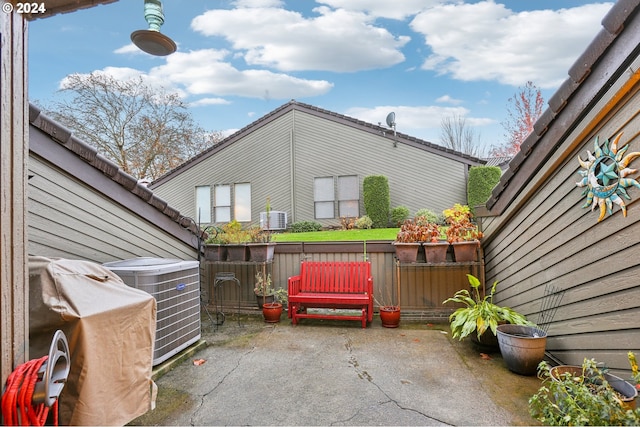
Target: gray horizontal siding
{"x":281,"y":159}
{"x":549,"y":240}
{"x":70,"y":220}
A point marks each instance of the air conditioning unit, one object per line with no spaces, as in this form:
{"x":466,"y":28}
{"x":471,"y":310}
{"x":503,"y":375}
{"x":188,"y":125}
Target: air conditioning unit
{"x":277,"y":220}
{"x":175,"y":284}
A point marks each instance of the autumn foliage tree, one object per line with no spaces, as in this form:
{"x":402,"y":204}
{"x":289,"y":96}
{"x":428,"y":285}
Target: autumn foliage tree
{"x":523,"y":109}
{"x":145,"y":130}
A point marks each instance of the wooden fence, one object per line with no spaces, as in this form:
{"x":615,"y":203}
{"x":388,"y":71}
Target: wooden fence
{"x":423,"y":287}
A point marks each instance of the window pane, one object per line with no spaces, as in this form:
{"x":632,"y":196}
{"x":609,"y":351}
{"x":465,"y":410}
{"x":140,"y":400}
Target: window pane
{"x":348,"y":208}
{"x":242,"y":206}
{"x":203,"y":204}
{"x":324,"y":210}
{"x":222,"y":195}
{"x":323,"y":190}
{"x":223,"y":214}
{"x":348,"y":188}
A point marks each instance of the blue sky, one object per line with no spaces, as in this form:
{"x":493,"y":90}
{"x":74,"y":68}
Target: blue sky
{"x":425,"y":60}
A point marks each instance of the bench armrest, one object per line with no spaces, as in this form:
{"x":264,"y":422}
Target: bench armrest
{"x":294,"y":285}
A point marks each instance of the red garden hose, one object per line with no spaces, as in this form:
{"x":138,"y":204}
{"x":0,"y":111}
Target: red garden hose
{"x":17,"y":400}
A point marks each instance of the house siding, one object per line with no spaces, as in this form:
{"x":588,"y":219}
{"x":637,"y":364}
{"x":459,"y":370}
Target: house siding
{"x":546,"y":238}
{"x":282,"y":157}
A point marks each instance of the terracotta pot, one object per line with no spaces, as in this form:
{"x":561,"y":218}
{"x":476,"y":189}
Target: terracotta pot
{"x":272,"y":312}
{"x":406,"y":252}
{"x":390,"y":316}
{"x":266,"y":299}
{"x":436,"y":252}
{"x":466,"y":251}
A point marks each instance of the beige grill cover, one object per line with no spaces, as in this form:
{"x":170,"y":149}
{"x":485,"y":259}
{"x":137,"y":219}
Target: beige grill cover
{"x":111,"y":330}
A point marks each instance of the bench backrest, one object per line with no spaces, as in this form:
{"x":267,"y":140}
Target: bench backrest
{"x":335,"y":276}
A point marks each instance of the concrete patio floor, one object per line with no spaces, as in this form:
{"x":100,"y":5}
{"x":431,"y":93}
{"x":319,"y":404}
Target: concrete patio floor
{"x":336,"y":373}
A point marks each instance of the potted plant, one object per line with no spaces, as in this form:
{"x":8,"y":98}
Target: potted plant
{"x":214,"y":245}
{"x":435,"y":248}
{"x":263,"y":289}
{"x":462,"y":233}
{"x":389,"y":314}
{"x":236,"y":239}
{"x":582,"y":396}
{"x":261,"y":248}
{"x":480,"y":317}
{"x":408,"y":241}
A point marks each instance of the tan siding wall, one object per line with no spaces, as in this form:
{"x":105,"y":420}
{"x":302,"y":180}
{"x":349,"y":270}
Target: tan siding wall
{"x":550,"y":240}
{"x":261,"y":159}
{"x":314,"y":147}
{"x":68,"y":219}
{"x":326,"y":148}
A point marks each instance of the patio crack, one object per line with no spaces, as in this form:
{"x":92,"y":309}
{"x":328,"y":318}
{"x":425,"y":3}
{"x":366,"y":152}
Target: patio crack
{"x":363,"y":374}
{"x":219,"y":383}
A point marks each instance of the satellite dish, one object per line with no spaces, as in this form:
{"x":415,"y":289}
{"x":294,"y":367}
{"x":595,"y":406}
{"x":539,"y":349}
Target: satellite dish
{"x":391,"y":119}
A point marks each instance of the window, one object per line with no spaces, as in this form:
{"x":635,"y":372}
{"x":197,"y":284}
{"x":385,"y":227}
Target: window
{"x":242,"y":202}
{"x":222,"y":202}
{"x":348,"y":196}
{"x":203,"y":204}
{"x":324,"y":197}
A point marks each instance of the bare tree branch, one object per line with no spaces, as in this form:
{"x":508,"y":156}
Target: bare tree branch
{"x":146,"y":131}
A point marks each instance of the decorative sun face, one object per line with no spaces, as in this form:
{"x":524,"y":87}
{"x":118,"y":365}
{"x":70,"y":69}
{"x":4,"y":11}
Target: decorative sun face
{"x":604,"y":174}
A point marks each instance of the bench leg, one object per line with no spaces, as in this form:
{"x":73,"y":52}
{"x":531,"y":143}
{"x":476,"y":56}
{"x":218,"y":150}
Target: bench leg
{"x":364,"y":317}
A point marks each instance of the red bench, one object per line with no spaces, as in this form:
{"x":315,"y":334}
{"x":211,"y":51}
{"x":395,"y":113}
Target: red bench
{"x":334,"y":284}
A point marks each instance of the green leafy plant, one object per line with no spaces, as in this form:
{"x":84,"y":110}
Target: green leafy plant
{"x":376,"y":199}
{"x":399,"y":214}
{"x":305,"y":226}
{"x":214,"y":235}
{"x":233,"y":233}
{"x":430,"y":215}
{"x":363,"y":223}
{"x":460,"y":227}
{"x":282,"y":296}
{"x":585,"y":399}
{"x":480,"y":314}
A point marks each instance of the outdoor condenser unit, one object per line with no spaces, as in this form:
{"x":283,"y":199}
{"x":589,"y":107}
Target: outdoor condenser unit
{"x":175,"y":285}
{"x":277,"y":220}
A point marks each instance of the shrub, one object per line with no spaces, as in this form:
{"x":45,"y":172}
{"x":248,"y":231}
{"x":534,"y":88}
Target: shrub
{"x":482,"y":179}
{"x":399,"y":214}
{"x":430,"y":215}
{"x":375,"y":194}
{"x":305,"y":226}
{"x":364,"y":222}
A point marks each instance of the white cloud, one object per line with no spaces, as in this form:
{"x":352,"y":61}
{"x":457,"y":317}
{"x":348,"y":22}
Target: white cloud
{"x":204,"y":72}
{"x":410,"y":119}
{"x":205,"y":102}
{"x":130,"y":49}
{"x":487,"y":41}
{"x":383,"y":8}
{"x":334,"y":40}
{"x":446,"y":99}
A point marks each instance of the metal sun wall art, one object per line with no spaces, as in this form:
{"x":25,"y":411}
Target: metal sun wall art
{"x":604,"y":174}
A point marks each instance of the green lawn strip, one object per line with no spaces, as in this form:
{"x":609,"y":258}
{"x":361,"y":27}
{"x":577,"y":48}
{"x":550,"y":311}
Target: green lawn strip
{"x":338,"y":235}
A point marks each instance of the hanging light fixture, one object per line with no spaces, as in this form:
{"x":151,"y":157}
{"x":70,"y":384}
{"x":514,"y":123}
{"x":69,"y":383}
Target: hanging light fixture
{"x":152,"y":40}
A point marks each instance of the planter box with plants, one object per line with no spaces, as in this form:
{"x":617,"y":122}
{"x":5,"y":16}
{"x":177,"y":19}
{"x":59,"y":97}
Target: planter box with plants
{"x":416,"y":232}
{"x":462,"y":233}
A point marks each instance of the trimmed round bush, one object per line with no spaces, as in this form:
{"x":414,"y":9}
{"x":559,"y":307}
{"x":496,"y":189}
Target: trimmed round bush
{"x":399,"y":214}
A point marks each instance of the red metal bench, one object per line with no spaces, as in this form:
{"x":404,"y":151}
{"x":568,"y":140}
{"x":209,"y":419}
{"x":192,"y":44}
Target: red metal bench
{"x":332,"y":284}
